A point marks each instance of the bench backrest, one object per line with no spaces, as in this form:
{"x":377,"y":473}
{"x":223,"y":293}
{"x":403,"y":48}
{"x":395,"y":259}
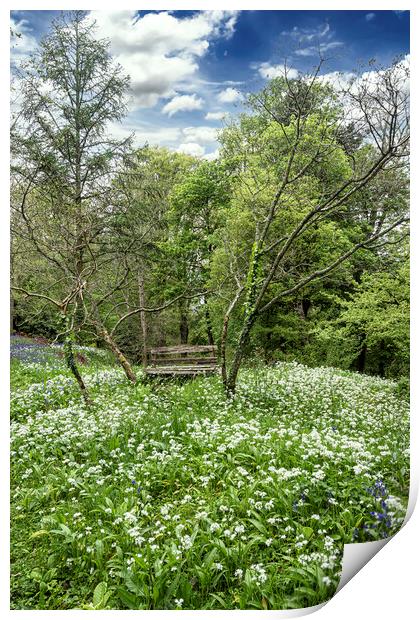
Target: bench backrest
{"x":184,"y":355}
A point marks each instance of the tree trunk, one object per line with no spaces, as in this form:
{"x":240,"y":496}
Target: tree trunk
{"x":381,"y":364}
{"x":71,"y":363}
{"x":268,"y":347}
{"x":253,"y":300}
{"x":143,"y":320}
{"x":12,"y":314}
{"x":361,"y":358}
{"x":303,"y":306}
{"x":223,"y":338}
{"x":230,"y":385}
{"x":223,"y":349}
{"x":119,"y":356}
{"x":183,"y":324}
{"x":210,"y":337}
{"x":306,"y":304}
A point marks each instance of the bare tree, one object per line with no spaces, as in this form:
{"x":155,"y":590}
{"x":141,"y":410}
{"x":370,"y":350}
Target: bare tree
{"x":63,"y":159}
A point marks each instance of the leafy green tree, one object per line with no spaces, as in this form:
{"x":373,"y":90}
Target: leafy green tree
{"x":197,"y":204}
{"x":373,"y":328}
{"x":138,"y":232}
{"x":297,"y":183}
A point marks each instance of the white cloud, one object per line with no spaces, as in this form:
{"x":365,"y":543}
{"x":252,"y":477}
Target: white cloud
{"x":189,"y":140}
{"x":183,"y":103}
{"x":229,"y":95}
{"x":166,"y":136}
{"x":229,"y":26}
{"x":215,"y":116}
{"x":337,"y":79}
{"x":307,"y":35}
{"x":200,"y":134}
{"x":370,"y":16}
{"x":307,"y":51}
{"x":22,"y":42}
{"x":269,"y":72}
{"x":368,"y":79}
{"x":314,"y":50}
{"x":372,"y":86}
{"x":324,"y":47}
{"x":213,"y":155}
{"x":160,"y":51}
{"x":312,"y":41}
{"x":153,"y":135}
{"x":191,"y":148}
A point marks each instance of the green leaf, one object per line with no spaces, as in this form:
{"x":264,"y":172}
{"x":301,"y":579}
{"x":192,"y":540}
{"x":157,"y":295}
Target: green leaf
{"x":36,"y":575}
{"x":307,"y":532}
{"x":219,"y":599}
{"x":129,"y":600}
{"x":38,"y":534}
{"x":260,"y":527}
{"x":99,"y":548}
{"x":209,"y":558}
{"x":248,"y":579}
{"x":99,"y":593}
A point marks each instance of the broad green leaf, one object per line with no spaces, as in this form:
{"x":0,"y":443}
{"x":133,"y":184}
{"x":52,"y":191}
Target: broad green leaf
{"x":38,"y":534}
{"x":99,"y":593}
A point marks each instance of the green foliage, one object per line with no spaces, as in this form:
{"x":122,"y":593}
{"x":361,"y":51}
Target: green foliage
{"x":100,"y":597}
{"x":169,"y":497}
{"x":375,"y":319}
{"x":295,"y":132}
{"x":173,"y":227}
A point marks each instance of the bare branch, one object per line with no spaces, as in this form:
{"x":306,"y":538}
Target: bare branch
{"x":39,"y":295}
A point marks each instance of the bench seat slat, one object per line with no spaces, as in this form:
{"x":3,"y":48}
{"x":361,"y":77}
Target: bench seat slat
{"x":183,"y":349}
{"x":184,"y":360}
{"x":179,"y":370}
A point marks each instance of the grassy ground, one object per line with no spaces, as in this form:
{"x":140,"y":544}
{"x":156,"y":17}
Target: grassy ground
{"x":168,"y":496}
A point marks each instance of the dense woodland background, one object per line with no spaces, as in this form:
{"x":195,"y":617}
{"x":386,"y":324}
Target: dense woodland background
{"x":292,"y":245}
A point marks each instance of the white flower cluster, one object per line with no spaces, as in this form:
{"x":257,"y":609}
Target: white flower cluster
{"x":191,"y":480}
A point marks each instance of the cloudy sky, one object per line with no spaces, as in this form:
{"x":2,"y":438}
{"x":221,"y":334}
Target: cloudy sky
{"x":190,"y":68}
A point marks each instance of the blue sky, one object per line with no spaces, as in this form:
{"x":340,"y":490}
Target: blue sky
{"x":189,"y":68}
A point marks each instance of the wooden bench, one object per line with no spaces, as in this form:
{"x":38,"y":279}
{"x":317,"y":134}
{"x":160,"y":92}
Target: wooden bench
{"x":182,"y":360}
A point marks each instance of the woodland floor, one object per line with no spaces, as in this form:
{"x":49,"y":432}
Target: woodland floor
{"x":166,"y":495}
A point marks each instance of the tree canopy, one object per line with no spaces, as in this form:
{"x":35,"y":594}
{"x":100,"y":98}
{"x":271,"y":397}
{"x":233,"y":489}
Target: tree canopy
{"x":288,"y":246}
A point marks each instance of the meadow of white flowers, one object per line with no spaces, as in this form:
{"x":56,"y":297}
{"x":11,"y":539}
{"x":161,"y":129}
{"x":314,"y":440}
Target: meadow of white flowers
{"x":169,"y":496}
